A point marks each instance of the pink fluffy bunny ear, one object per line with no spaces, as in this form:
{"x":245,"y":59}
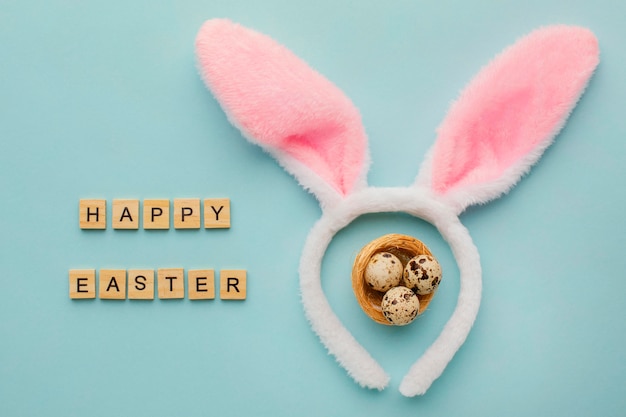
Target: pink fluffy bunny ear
{"x":509,"y":114}
{"x":281,"y":104}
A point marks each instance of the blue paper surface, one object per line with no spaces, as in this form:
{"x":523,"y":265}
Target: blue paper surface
{"x":103,"y":100}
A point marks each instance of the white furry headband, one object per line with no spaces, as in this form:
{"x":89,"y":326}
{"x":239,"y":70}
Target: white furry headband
{"x":496,"y":130}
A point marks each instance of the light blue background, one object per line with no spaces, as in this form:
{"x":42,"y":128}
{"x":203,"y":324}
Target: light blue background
{"x":102,"y":100}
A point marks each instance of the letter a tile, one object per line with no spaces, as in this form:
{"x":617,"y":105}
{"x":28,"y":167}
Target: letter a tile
{"x":125,"y":214}
{"x":112,"y":284}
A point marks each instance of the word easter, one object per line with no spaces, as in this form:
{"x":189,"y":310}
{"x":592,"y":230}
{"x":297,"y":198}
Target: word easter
{"x":171,"y":284}
{"x":156,"y":214}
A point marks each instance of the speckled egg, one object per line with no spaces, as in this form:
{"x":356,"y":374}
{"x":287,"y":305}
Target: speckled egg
{"x":422,"y":274}
{"x":400,"y":306}
{"x":383,"y":271}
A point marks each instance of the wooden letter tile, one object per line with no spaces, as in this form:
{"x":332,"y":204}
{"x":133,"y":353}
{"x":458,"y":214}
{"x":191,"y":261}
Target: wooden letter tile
{"x":217,"y":213}
{"x":125,"y":214}
{"x":112,"y":284}
{"x":187,"y":213}
{"x":201,"y":284}
{"x":171,"y":283}
{"x":82,"y":283}
{"x":92,"y":214}
{"x":233,"y":284}
{"x":156,"y":214}
{"x":141,"y":284}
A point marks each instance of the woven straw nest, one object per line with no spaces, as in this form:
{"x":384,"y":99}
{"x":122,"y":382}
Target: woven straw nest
{"x":402,"y":246}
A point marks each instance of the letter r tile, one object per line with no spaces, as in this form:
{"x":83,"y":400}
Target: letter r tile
{"x":233,"y":285}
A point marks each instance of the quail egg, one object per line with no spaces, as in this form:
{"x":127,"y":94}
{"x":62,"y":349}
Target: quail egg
{"x":422,"y":274}
{"x":400,"y":306}
{"x":383,"y":271}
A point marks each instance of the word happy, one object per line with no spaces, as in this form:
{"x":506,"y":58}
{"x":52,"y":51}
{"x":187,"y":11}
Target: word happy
{"x":187,"y":214}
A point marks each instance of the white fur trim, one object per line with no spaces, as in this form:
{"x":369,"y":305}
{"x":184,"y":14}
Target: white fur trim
{"x":337,"y":339}
{"x":313,"y":183}
{"x":462,"y":197}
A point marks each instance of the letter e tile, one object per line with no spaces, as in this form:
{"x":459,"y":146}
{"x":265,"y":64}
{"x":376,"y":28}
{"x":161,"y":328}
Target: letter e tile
{"x":82,"y":283}
{"x":201,"y":284}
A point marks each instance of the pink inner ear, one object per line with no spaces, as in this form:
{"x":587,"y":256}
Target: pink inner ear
{"x":279,"y":102}
{"x":514,"y":105}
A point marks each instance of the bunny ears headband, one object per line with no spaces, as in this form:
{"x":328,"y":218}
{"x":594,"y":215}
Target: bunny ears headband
{"x":496,"y":130}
